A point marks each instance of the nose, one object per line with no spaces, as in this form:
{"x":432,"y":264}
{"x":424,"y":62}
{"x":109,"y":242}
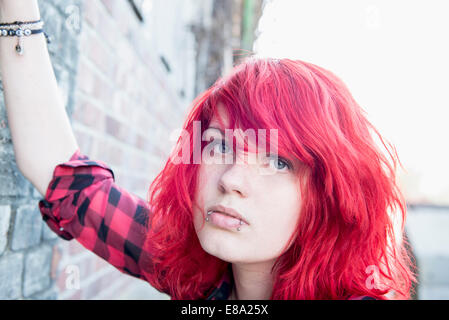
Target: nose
{"x":236,"y":179}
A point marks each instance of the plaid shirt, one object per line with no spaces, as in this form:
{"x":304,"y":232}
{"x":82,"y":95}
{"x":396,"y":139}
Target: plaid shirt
{"x":83,"y":202}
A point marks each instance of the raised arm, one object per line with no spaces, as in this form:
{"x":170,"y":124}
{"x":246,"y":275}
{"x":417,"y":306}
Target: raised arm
{"x":40,"y":128}
{"x":81,"y":199}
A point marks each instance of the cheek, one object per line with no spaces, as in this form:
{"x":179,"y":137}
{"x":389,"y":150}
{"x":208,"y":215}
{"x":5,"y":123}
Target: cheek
{"x":204,"y":173}
{"x":203,"y":192}
{"x":282,"y":197}
{"x":282,"y":208}
{"x":208,"y":178}
{"x":202,"y":184}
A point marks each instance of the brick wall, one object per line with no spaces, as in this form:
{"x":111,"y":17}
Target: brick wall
{"x":26,"y":244}
{"x":123,"y":104}
{"x":126,"y":104}
{"x":126,"y":85}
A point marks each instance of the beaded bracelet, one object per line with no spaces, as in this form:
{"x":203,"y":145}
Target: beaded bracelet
{"x":20,"y":29}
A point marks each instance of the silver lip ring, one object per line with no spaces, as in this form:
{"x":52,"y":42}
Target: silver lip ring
{"x":210,"y":212}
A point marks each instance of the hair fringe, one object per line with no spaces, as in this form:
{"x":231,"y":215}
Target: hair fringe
{"x":348,"y":186}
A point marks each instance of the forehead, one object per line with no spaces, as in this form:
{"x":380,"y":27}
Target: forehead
{"x":220,"y":121}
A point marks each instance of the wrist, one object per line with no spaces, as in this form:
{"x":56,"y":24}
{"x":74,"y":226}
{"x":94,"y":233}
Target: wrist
{"x":19,"y":10}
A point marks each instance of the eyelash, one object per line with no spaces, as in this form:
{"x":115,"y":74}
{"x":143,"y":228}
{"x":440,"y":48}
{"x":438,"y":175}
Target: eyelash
{"x":287,"y":163}
{"x":218,"y":142}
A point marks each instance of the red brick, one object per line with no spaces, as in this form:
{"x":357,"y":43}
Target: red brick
{"x":90,"y":115}
{"x":93,"y":116}
{"x":139,"y":183}
{"x":56,"y":259}
{"x":85,"y":78}
{"x":78,"y":295}
{"x":143,"y":143}
{"x":84,"y":141}
{"x":144,"y":124}
{"x":117,"y":100}
{"x":113,"y":127}
{"x":103,"y":91}
{"x":97,"y":52}
{"x":100,"y":150}
{"x":125,"y":106}
{"x":115,"y":155}
{"x":91,"y":13}
{"x":99,"y":265}
{"x":98,"y":286}
{"x":75,"y":248}
{"x":124,"y":17}
{"x":109,"y":33}
{"x":120,"y":71}
{"x":109,"y":5}
{"x":131,"y":136}
{"x":139,"y":163}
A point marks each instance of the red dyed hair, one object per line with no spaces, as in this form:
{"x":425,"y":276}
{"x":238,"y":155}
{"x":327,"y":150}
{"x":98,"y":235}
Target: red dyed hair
{"x":344,"y":230}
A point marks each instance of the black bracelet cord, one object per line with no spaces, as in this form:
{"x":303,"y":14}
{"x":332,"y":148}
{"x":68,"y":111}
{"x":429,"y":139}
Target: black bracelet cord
{"x":18,"y":30}
{"x":18,"y":23}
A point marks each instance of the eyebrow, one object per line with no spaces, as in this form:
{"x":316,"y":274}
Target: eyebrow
{"x":219,"y":129}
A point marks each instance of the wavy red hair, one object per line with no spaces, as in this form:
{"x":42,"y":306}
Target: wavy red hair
{"x":349,"y":190}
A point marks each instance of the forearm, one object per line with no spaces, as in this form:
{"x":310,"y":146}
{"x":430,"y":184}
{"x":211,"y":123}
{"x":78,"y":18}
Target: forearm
{"x":40,"y":129}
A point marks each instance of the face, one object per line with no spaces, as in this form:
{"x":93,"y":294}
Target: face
{"x":269,"y":203}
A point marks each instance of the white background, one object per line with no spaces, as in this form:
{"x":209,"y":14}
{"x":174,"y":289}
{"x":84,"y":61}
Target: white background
{"x":393,"y":56}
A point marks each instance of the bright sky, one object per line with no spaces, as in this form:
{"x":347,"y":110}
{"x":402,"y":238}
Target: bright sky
{"x":393,"y":56}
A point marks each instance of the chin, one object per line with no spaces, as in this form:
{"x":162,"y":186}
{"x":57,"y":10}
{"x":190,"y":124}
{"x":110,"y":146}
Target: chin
{"x":218,"y":245}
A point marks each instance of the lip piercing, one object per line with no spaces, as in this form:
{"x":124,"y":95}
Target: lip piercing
{"x":238,"y":229}
{"x":210,"y":212}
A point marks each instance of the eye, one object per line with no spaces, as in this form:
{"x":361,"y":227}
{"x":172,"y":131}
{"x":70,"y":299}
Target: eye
{"x":280,"y":163}
{"x":222,"y":146}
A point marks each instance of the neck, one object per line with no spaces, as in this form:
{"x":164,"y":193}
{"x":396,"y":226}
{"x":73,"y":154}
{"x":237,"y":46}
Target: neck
{"x":252,"y":281}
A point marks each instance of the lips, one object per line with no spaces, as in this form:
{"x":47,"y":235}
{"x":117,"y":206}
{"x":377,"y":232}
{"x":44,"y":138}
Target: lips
{"x":228,"y":211}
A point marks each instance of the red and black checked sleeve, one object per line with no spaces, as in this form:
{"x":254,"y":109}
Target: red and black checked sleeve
{"x":83,"y":202}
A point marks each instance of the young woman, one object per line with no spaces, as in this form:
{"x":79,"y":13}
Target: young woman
{"x":308,"y":216}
